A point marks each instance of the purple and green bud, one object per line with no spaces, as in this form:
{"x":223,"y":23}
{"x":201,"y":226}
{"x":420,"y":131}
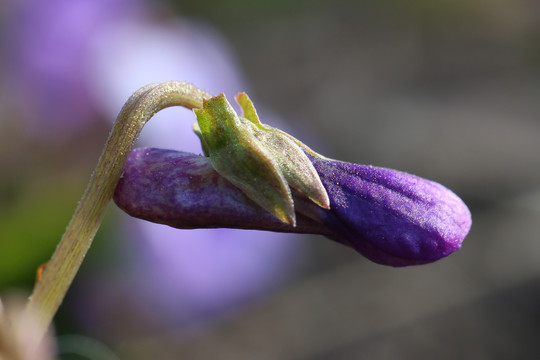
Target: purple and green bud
{"x":257,"y":177}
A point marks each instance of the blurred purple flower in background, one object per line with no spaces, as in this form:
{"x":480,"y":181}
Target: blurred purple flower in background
{"x":46,"y":45}
{"x":80,"y":60}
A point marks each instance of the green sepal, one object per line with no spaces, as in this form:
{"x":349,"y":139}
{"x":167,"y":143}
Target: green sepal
{"x":197,"y":132}
{"x":286,"y":149}
{"x":248,"y":109}
{"x":262,"y":161}
{"x":251,"y":114}
{"x":237,"y":155}
{"x":295,"y":166}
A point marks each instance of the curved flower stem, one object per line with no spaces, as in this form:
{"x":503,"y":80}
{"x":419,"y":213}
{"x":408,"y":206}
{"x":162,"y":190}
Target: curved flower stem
{"x":50,"y":290}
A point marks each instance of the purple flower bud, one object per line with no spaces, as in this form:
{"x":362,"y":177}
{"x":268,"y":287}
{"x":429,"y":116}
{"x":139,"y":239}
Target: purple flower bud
{"x":388,"y":216}
{"x":391,"y":217}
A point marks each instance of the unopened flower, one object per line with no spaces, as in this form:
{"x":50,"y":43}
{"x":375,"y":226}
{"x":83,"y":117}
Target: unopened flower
{"x":391,"y":217}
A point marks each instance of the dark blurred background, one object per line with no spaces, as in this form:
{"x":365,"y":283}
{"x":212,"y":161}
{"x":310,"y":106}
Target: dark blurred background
{"x":448,"y":90}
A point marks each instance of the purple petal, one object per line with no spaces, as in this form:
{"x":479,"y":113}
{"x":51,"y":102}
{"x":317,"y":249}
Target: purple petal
{"x":391,"y":217}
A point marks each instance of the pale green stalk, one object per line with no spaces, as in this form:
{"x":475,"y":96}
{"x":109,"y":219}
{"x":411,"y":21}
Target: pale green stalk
{"x":65,"y":262}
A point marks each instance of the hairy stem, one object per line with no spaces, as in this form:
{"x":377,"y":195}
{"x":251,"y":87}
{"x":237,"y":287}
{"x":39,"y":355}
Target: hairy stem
{"x":50,"y":290}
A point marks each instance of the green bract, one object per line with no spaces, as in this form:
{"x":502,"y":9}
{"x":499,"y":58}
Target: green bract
{"x":262,"y":161}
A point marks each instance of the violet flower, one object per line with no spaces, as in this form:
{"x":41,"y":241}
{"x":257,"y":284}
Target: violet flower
{"x":390,"y":217}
